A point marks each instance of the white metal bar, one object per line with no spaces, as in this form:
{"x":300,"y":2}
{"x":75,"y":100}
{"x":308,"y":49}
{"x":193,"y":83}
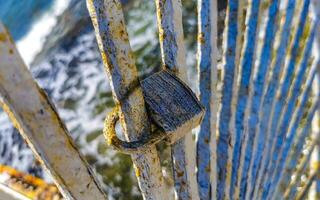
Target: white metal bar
{"x":7,"y":193}
{"x":107,"y":18}
{"x":38,"y":122}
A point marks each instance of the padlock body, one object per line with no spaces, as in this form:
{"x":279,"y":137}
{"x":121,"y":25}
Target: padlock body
{"x":171,"y":104}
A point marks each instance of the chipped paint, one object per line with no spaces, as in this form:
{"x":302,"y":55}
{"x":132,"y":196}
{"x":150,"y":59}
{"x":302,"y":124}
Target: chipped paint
{"x":67,"y":166}
{"x":169,"y":16}
{"x":207,"y":73}
{"x":113,"y":41}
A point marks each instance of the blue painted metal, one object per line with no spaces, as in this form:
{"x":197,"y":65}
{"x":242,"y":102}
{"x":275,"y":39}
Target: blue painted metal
{"x":288,"y":145}
{"x":302,"y":168}
{"x":279,"y":102}
{"x":287,"y":111}
{"x":280,"y":166}
{"x":269,"y":96}
{"x":225,"y":112}
{"x":207,"y":75}
{"x":169,"y":14}
{"x":246,"y":67}
{"x":295,"y":152}
{"x":256,"y":94}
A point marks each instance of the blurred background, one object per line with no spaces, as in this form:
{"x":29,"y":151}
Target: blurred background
{"x":57,"y":42}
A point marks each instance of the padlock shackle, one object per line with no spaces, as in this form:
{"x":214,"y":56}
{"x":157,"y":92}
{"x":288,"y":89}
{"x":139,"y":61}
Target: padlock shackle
{"x":141,"y":145}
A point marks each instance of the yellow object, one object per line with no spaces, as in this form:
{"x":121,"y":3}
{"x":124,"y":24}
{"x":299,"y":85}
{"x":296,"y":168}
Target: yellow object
{"x":28,"y":185}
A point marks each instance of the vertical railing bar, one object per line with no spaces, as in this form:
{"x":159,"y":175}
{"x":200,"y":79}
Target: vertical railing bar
{"x":269,"y":94}
{"x":246,"y":68}
{"x":207,"y":72}
{"x":284,"y":96}
{"x":292,"y":134}
{"x":229,"y":67}
{"x":256,"y":93}
{"x":242,"y":10}
{"x":276,"y":104}
{"x":36,"y":118}
{"x":297,"y":147}
{"x":169,"y":15}
{"x":314,"y":192}
{"x":112,"y":37}
{"x":289,"y":107}
{"x":304,"y":191}
{"x":291,"y":188}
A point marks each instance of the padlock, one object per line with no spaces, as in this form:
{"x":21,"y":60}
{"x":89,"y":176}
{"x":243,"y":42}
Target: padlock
{"x":171,"y":106}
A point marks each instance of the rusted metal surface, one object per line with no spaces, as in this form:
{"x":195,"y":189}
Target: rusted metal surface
{"x":169,"y":15}
{"x":173,"y":108}
{"x":108,"y":21}
{"x":36,"y":118}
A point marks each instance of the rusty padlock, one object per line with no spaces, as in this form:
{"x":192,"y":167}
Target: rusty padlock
{"x":172,"y":107}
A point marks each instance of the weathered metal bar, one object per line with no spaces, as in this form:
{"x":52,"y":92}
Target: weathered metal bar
{"x":256,"y":94}
{"x":269,"y":95}
{"x":273,"y":83}
{"x":296,"y":119}
{"x":207,"y":72}
{"x":289,"y":108}
{"x":113,"y":41}
{"x":246,"y":68}
{"x":169,"y":15}
{"x":277,"y":104}
{"x":229,"y":56}
{"x":304,"y":191}
{"x":285,"y":141}
{"x":8,"y":193}
{"x":291,"y":189}
{"x":37,"y":120}
{"x":314,"y":193}
{"x":298,"y":147}
{"x":242,"y":10}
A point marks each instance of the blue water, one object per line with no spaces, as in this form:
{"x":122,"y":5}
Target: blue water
{"x":19,"y":15}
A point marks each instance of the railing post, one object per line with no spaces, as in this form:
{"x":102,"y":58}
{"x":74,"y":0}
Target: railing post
{"x":113,"y":41}
{"x":169,"y":15}
{"x":315,"y":164}
{"x":207,"y":72}
{"x":37,"y":120}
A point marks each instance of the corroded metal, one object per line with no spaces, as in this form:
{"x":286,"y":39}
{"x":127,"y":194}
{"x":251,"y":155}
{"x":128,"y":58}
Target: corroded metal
{"x":229,"y":56}
{"x":37,"y":120}
{"x":172,"y":107}
{"x":108,"y":21}
{"x":207,"y":72}
{"x":169,"y":15}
